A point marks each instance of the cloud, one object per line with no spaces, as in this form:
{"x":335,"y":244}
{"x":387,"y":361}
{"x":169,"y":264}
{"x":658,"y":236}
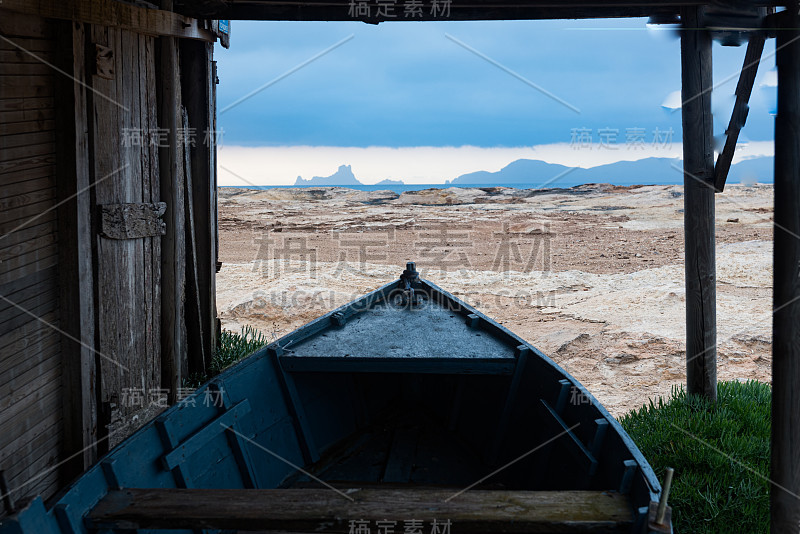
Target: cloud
{"x":673,"y":100}
{"x":770,"y":79}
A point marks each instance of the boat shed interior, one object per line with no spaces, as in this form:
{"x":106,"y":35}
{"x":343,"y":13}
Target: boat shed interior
{"x":108,"y":230}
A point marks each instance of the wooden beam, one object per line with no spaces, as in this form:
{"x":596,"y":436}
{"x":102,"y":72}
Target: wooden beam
{"x":785,"y":472}
{"x":197,"y":93}
{"x":698,"y":215}
{"x":115,"y":14}
{"x":744,"y":88}
{"x":75,"y":267}
{"x":341,"y":11}
{"x":173,"y":243}
{"x":196,"y":347}
{"x":323,"y":510}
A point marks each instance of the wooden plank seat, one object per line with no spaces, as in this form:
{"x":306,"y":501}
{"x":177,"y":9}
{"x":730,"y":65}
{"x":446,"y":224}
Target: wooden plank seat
{"x":325,"y":510}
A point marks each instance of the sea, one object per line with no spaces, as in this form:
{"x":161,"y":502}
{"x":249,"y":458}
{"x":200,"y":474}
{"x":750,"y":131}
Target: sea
{"x":402,"y":188}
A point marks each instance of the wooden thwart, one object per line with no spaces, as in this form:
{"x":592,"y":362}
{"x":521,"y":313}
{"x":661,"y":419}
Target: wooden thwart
{"x":323,"y":510}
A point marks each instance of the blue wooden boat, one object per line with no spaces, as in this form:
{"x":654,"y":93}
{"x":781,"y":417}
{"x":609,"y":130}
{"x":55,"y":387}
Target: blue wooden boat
{"x":406,"y":408}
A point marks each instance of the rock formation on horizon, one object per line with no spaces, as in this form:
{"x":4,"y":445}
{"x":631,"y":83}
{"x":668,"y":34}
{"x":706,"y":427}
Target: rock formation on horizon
{"x":343,"y":176}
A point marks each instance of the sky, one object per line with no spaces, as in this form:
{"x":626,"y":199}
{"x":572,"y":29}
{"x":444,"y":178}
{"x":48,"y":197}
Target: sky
{"x":427,"y":101}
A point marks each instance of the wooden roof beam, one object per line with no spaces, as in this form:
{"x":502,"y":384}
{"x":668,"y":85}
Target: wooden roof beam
{"x":340,"y":10}
{"x":462,"y":10}
{"x":156,"y":22}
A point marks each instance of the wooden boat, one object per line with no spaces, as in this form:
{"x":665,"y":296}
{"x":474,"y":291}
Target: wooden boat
{"x":405,"y":411}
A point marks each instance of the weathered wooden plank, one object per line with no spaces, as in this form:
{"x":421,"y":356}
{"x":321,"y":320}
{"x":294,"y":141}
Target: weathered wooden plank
{"x":37,"y":479}
{"x":13,"y":129}
{"x":155,"y":192}
{"x":27,"y":151}
{"x":698,"y":214}
{"x":39,"y":444}
{"x":19,"y":353}
{"x":196,"y":340}
{"x":26,"y":82}
{"x":22,"y":104}
{"x":37,"y":454}
{"x":19,"y":413}
{"x":785,"y":467}
{"x":34,"y":278}
{"x":152,"y":346}
{"x":119,"y":15}
{"x":33,"y":45}
{"x":36,"y":116}
{"x":28,"y":186}
{"x":8,"y":57}
{"x":39,"y":474}
{"x":107,"y":122}
{"x":747,"y":78}
{"x":15,"y":91}
{"x":27,"y":310}
{"x":45,"y":159}
{"x":39,"y":371}
{"x":43,"y":226}
{"x":42,"y":247}
{"x":196,"y":73}
{"x":19,"y":338}
{"x":26,"y":69}
{"x":26,"y":199}
{"x":19,"y":216}
{"x":19,"y":262}
{"x":311,"y":510}
{"x":75,"y":261}
{"x":38,"y":265}
{"x":36,"y":137}
{"x":45,"y":427}
{"x":327,"y":10}
{"x":21,"y":290}
{"x":19,"y":25}
{"x":173,"y":252}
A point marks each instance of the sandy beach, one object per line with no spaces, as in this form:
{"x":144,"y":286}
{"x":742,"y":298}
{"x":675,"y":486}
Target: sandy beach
{"x":593,"y":275}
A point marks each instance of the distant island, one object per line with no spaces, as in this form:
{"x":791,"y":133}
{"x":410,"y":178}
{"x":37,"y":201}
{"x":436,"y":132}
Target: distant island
{"x":643,"y":171}
{"x":530,"y":172}
{"x":344,"y":176}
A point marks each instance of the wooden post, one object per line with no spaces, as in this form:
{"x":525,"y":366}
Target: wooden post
{"x":197,"y":95}
{"x":75,"y":268}
{"x":698,"y":216}
{"x":173,"y":252}
{"x":785,"y":472}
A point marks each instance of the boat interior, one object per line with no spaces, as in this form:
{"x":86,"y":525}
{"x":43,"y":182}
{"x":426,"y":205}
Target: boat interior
{"x":409,"y":392}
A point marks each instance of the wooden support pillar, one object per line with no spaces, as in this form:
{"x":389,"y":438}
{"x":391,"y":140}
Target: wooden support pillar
{"x":173,"y":251}
{"x":698,"y":217}
{"x":785,"y":472}
{"x":197,"y":90}
{"x":76,"y":283}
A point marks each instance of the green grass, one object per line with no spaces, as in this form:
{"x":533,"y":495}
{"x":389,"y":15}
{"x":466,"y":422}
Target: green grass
{"x":231,"y":347}
{"x":720,"y":453}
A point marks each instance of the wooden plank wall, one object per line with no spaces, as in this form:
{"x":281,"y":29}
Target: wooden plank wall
{"x":126,"y":169}
{"x":30,"y":350}
{"x":76,"y":307}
